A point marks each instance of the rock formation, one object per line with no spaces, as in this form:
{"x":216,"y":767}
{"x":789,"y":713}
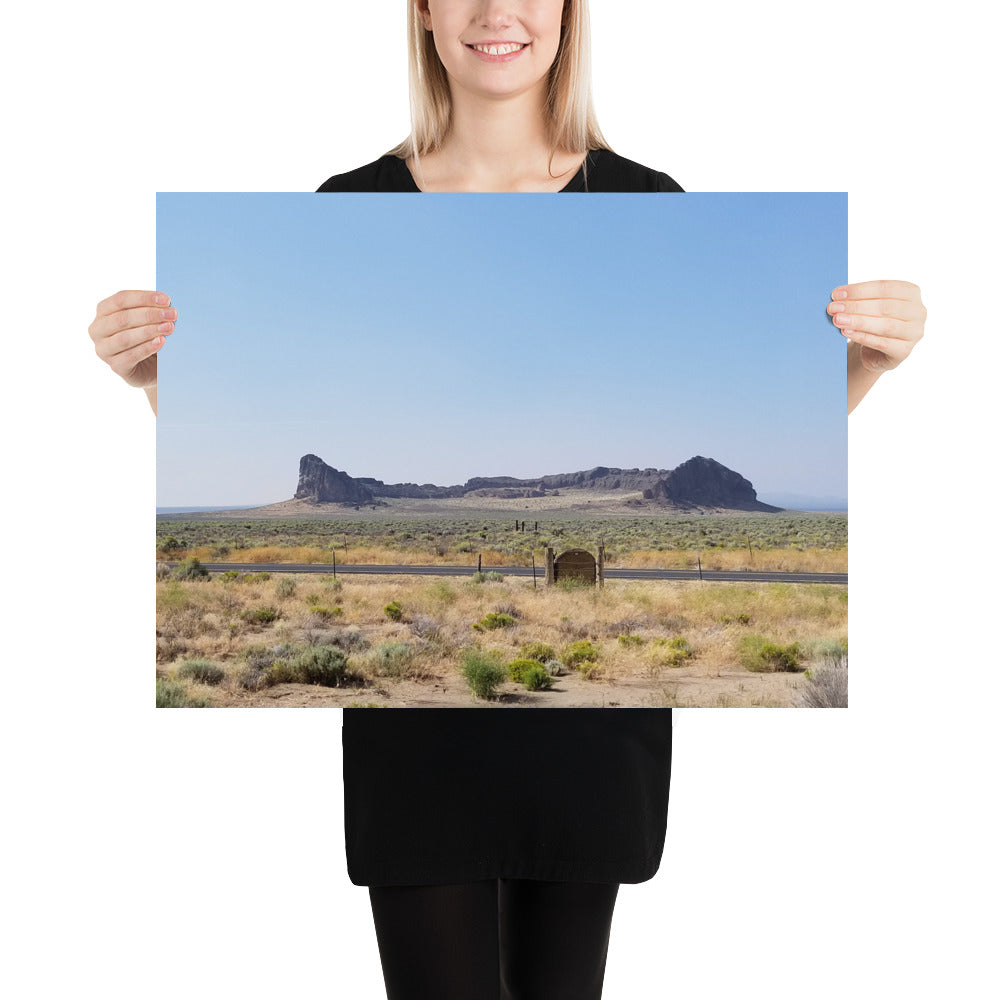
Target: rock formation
{"x":320,"y":483}
{"x":703,"y":482}
{"x":698,"y":482}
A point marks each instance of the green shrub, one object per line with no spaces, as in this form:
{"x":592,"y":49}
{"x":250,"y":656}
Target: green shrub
{"x":494,"y":620}
{"x":589,"y":670}
{"x":489,"y":577}
{"x":390,"y":659}
{"x":761,"y":656}
{"x":324,"y":612}
{"x":783,"y":659}
{"x":540,"y":651}
{"x":517,"y":669}
{"x":631,"y":640}
{"x":673,"y":652}
{"x":202,"y":671}
{"x":325,"y":665}
{"x":170,"y":544}
{"x":261,"y":616}
{"x":190,"y":569}
{"x":171,"y":694}
{"x":283,"y":672}
{"x":583,"y":651}
{"x":259,"y":657}
{"x":235,"y":576}
{"x":537,"y":678}
{"x":484,"y":672}
{"x":285,"y":587}
{"x":394,"y":611}
{"x":172,"y":597}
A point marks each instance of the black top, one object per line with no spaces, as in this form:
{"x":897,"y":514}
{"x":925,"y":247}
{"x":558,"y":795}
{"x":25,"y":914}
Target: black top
{"x":435,"y":796}
{"x":603,"y":171}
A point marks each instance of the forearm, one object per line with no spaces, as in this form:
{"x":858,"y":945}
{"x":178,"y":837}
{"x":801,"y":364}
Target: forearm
{"x":151,"y":396}
{"x":859,"y":378}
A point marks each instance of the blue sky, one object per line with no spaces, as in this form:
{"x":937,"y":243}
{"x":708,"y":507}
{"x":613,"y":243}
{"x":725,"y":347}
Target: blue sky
{"x":440,"y":337}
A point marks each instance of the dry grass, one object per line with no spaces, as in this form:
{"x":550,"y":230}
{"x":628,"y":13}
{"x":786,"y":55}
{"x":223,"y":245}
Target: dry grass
{"x":213,"y":620}
{"x":737,"y":560}
{"x":807,"y":560}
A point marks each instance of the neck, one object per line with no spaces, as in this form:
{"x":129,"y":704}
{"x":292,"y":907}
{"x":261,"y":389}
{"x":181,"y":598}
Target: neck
{"x":497,"y":144}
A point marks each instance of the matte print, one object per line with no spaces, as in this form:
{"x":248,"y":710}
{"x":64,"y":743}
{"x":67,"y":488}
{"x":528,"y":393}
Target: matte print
{"x":502,"y":451}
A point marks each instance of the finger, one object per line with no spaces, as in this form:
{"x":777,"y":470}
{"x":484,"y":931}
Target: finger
{"x":882,"y":326}
{"x":110,"y":347}
{"x":130,"y":319}
{"x":124,"y":363}
{"x":878,"y":290}
{"x":130,"y":300}
{"x":887,"y":345}
{"x":904,"y":309}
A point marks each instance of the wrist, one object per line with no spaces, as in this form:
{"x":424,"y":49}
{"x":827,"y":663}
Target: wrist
{"x":859,"y":378}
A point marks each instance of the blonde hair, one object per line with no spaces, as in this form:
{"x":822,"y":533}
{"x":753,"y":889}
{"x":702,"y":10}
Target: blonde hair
{"x":571,"y":119}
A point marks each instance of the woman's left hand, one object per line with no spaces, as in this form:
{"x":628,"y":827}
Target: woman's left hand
{"x":884,"y":318}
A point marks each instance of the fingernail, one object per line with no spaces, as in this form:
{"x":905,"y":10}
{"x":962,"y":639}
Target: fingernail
{"x":165,"y":327}
{"x":835,"y":307}
{"x":842,"y":320}
{"x":170,"y":314}
{"x":840,"y":293}
{"x":160,"y":299}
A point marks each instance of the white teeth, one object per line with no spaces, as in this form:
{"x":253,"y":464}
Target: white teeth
{"x":499,"y":50}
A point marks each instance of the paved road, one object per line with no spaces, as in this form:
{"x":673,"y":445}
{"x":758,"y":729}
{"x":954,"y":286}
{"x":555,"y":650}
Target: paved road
{"x":610,"y":574}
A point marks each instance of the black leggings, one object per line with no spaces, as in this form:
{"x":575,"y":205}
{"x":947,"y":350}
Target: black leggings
{"x":506,"y":939}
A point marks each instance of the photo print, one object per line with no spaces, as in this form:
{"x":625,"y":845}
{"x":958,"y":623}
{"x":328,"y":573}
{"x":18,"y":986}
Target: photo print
{"x":476,"y":450}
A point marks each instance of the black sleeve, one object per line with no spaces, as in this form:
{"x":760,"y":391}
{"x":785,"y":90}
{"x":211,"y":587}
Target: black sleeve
{"x":609,"y":172}
{"x":664,"y":182}
{"x":362,"y":179}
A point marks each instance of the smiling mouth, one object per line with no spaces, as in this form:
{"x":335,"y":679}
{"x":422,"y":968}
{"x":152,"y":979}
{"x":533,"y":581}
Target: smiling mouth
{"x":501,"y":49}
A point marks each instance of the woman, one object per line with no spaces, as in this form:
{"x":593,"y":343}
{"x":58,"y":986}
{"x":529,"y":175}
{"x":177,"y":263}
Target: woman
{"x":471,"y":859}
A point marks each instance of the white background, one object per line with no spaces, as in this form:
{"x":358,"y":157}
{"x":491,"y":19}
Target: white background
{"x":200,"y":853}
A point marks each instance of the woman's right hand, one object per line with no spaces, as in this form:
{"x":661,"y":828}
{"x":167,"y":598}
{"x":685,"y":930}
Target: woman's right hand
{"x":128,"y":330}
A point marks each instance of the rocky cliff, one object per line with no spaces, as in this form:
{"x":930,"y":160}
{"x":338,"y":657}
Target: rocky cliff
{"x":698,"y":482}
{"x":703,"y":482}
{"x":321,"y":483}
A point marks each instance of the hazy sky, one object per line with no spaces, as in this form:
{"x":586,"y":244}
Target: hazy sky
{"x":435,"y":338}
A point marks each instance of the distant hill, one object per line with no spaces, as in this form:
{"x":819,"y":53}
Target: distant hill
{"x":695,"y":484}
